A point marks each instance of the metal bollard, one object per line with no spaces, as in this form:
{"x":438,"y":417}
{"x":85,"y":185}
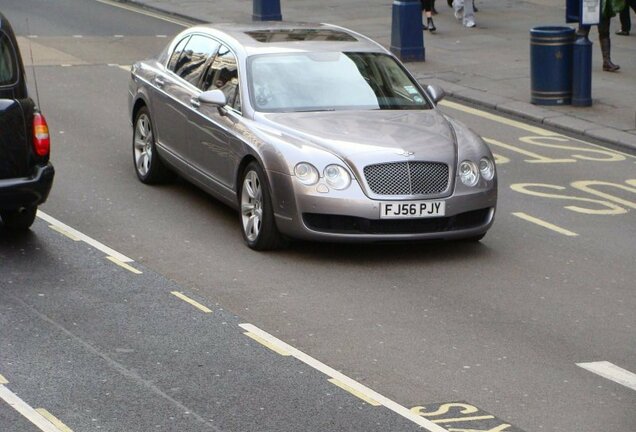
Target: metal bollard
{"x":407,"y":37}
{"x":266,"y":10}
{"x":582,"y":71}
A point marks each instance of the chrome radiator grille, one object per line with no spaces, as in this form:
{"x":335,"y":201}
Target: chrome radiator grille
{"x":407,"y":178}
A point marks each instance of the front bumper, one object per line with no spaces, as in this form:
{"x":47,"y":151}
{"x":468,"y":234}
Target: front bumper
{"x":29,"y":191}
{"x":351,"y":216}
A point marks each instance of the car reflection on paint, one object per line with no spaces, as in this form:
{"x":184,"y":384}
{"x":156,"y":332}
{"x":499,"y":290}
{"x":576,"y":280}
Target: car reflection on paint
{"x":310,"y":131}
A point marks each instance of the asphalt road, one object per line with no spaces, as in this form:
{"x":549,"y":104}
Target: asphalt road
{"x":499,"y":326}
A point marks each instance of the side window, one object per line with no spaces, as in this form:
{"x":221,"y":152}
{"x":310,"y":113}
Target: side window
{"x":194,"y":57}
{"x":8,"y":66}
{"x":223,"y":75}
{"x":176,"y":54}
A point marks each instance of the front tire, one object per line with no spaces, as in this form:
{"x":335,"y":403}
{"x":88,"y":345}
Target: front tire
{"x":19,"y":220}
{"x":148,"y":166}
{"x":256,"y":212}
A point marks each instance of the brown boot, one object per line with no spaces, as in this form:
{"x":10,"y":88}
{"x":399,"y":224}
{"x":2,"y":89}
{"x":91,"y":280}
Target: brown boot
{"x":608,"y":66}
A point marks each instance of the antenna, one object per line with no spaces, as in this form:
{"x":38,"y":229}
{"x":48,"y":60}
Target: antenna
{"x":35,"y":78}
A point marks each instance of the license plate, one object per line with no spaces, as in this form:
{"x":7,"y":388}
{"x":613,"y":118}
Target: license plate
{"x":412,"y":209}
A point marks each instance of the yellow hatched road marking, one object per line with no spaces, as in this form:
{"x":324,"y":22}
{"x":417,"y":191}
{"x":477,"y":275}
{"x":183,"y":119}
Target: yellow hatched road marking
{"x":194,"y":303}
{"x":267,"y":344}
{"x":3,"y":380}
{"x":545,"y":224}
{"x":354,"y":392}
{"x":123,"y":265}
{"x":54,"y":420}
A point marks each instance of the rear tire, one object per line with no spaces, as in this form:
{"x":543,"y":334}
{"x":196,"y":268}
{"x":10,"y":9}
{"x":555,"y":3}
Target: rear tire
{"x":148,"y":166}
{"x":19,"y":220}
{"x":256,"y":213}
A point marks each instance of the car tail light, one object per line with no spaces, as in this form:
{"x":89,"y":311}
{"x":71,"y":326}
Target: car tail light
{"x":41,"y":138}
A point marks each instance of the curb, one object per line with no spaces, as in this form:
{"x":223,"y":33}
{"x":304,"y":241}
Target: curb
{"x":522,"y":110}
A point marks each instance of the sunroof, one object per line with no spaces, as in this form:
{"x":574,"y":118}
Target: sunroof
{"x":294,"y":35}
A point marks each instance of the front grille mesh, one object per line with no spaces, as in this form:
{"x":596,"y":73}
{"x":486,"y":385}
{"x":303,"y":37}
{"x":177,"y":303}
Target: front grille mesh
{"x":407,"y":178}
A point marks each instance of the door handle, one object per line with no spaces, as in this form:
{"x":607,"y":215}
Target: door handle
{"x":159,"y":81}
{"x":194,"y":101}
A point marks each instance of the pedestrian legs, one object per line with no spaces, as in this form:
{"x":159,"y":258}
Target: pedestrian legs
{"x":465,"y":11}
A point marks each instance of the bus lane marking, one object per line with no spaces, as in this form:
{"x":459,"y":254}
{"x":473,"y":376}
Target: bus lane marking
{"x":545,"y":224}
{"x":611,"y":372}
{"x":608,"y":208}
{"x":465,"y":417}
{"x":342,"y":378}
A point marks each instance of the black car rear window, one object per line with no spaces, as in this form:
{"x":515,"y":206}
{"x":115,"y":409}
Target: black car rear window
{"x":8,"y":67}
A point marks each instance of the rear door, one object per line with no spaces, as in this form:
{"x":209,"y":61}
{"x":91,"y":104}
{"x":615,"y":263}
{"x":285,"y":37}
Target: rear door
{"x":14,"y":141}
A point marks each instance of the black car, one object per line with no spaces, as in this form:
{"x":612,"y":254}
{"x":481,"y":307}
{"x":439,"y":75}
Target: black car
{"x":26,"y":175}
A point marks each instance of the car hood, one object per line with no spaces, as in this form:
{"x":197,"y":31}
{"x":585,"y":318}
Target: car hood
{"x":381,"y":135}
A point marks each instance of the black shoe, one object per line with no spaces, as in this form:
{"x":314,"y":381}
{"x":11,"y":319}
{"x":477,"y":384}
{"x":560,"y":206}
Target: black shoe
{"x":434,"y":11}
{"x":623,"y":33}
{"x":431,"y":25}
{"x":450,"y":3}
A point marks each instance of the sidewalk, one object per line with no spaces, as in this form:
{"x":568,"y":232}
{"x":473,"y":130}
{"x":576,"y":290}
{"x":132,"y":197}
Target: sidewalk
{"x":488,"y":65}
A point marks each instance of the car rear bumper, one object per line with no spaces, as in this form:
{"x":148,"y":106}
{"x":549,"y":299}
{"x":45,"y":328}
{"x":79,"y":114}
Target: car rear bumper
{"x":351,"y":216}
{"x":27,"y":191}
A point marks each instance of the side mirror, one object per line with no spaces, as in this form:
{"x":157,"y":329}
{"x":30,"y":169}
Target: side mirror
{"x":213,"y":97}
{"x":435,"y":92}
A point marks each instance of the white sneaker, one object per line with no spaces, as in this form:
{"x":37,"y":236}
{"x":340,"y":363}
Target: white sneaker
{"x":459,"y":13}
{"x":470,"y":24}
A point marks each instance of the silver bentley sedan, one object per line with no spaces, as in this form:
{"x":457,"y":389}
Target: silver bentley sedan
{"x":310,"y":131}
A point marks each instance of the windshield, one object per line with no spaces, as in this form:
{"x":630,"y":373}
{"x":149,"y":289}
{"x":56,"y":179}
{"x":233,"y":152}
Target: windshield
{"x":331,"y":81}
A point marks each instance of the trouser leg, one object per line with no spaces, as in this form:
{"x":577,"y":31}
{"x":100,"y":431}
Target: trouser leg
{"x":469,"y":13}
{"x":606,"y":45}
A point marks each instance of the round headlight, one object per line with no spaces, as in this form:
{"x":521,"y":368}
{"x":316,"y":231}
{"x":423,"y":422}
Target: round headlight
{"x":337,"y":177}
{"x":487,"y":168}
{"x":469,"y":173}
{"x":306,"y":173}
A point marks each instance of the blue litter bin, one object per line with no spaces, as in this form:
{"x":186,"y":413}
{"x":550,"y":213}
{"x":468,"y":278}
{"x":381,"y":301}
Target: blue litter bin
{"x":551,"y":65}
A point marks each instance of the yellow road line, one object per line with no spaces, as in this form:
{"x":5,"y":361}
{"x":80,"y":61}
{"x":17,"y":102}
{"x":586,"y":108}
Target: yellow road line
{"x":545,"y":224}
{"x":267,"y":344}
{"x":498,"y":118}
{"x":123,"y":265}
{"x":64,"y":232}
{"x":354,"y":392}
{"x":145,"y":12}
{"x":83,"y":237}
{"x":192,"y":302}
{"x":3,"y":380}
{"x":54,"y":420}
